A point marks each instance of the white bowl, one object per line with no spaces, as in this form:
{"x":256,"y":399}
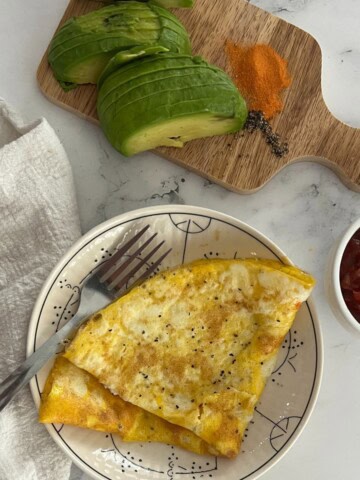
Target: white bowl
{"x":332,"y":281}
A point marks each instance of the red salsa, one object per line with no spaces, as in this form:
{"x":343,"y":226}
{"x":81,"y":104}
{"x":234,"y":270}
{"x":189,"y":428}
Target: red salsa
{"x":350,"y":275}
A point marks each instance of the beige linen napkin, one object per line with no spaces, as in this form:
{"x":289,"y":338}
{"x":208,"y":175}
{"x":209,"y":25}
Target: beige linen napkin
{"x":38,"y":222}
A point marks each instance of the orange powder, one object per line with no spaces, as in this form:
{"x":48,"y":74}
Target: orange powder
{"x":260,"y":74}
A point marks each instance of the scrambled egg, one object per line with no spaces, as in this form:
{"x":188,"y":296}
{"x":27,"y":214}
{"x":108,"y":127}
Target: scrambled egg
{"x":196,"y":344}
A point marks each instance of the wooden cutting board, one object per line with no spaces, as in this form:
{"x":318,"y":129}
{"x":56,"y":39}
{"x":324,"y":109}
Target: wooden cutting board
{"x":244,"y":163}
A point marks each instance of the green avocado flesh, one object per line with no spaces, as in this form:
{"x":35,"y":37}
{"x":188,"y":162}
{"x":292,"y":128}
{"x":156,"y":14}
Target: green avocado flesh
{"x":167,"y":100}
{"x":84,"y":45}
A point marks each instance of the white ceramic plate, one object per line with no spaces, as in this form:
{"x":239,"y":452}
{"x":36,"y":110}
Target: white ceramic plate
{"x":289,"y":397}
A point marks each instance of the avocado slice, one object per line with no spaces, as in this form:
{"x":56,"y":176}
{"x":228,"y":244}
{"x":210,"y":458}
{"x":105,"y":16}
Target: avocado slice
{"x":167,"y":100}
{"x":167,"y":3}
{"x":174,"y":3}
{"x":82,"y":48}
{"x":126,"y":56}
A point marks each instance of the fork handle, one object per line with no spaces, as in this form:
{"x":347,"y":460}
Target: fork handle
{"x":24,"y":373}
{"x":14,"y":382}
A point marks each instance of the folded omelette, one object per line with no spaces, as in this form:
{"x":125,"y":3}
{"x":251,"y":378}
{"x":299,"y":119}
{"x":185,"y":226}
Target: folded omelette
{"x":196,"y":344}
{"x":74,"y":397}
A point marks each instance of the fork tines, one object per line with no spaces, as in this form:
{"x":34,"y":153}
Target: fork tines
{"x":114,"y":273}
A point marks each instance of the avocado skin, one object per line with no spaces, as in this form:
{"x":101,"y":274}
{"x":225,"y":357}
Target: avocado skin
{"x":126,"y":56}
{"x":97,"y":36}
{"x":154,"y":90}
{"x":169,"y":3}
{"x":174,"y":3}
{"x":171,"y":32}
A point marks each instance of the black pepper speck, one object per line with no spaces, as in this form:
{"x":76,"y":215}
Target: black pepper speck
{"x":257,"y":121}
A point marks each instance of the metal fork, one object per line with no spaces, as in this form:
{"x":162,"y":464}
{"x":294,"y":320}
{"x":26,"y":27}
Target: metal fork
{"x":100,"y":288}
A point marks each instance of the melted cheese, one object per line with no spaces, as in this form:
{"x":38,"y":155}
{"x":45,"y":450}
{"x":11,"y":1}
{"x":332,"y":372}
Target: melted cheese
{"x":195,"y":345}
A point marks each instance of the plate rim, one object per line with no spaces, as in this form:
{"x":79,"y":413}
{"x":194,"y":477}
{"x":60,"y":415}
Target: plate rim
{"x":148,"y":212}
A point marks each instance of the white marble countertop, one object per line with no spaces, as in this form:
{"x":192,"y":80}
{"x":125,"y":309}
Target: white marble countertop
{"x":303,"y":209}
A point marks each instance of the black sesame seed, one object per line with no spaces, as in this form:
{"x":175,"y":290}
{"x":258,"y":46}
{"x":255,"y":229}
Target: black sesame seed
{"x":177,"y":407}
{"x":257,"y":121}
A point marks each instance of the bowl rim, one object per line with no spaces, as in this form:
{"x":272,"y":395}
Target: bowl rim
{"x":339,"y":253}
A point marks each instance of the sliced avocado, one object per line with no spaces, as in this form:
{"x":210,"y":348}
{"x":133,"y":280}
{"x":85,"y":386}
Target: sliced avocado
{"x":174,"y":3}
{"x":125,"y":56}
{"x":82,"y":48}
{"x":187,"y":127}
{"x":166,"y":3}
{"x":167,"y":100}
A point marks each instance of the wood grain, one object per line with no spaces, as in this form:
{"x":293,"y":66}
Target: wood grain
{"x":243,"y":162}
